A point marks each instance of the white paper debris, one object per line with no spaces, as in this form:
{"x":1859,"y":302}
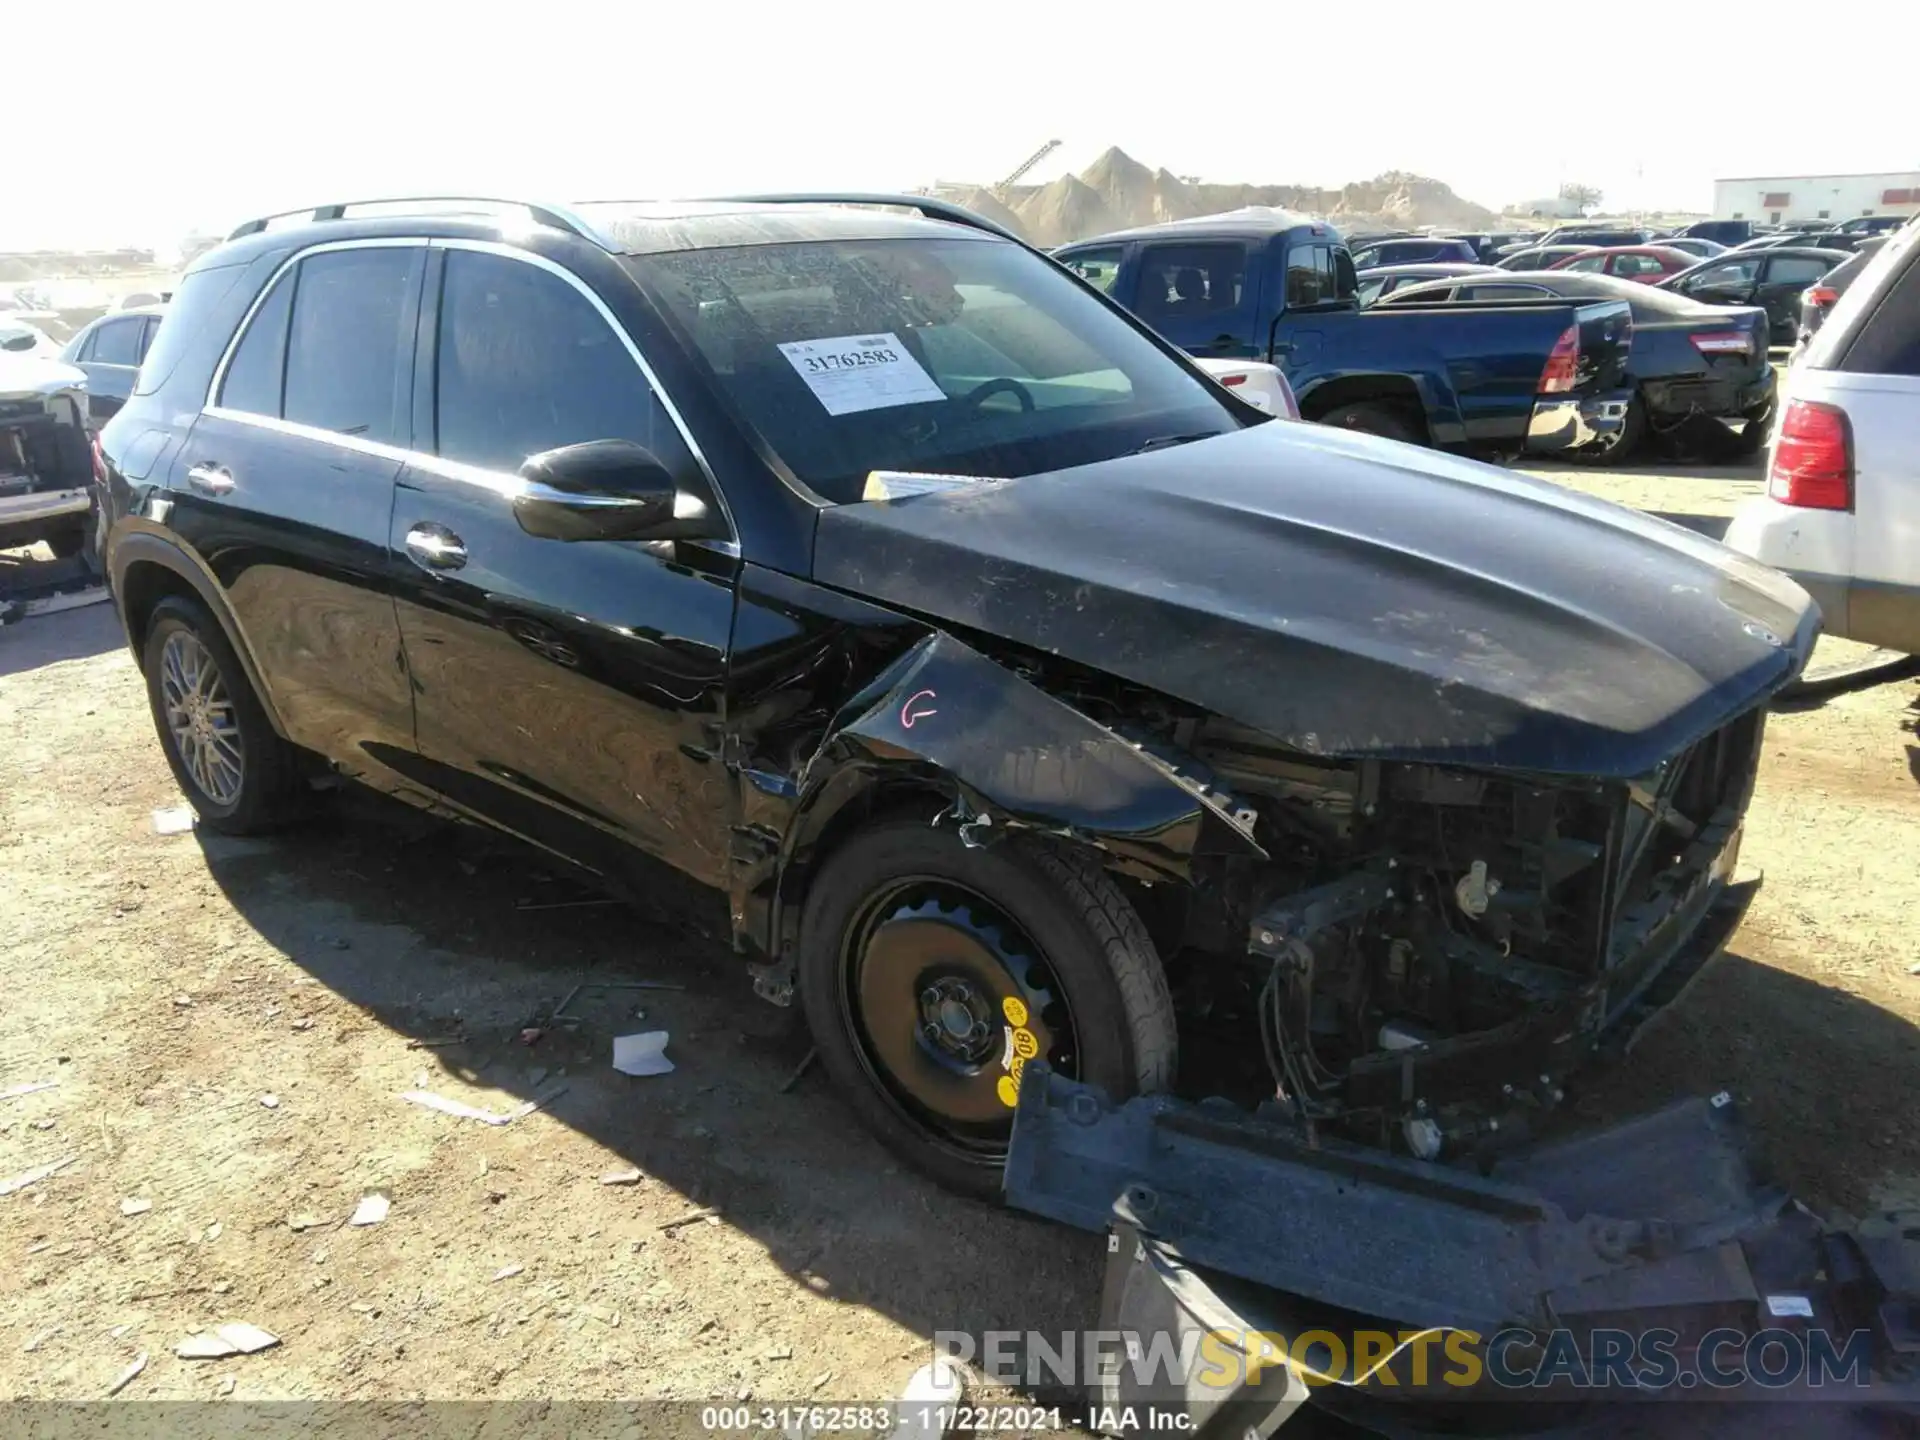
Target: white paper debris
{"x":851,"y":373}
{"x":235,"y":1338}
{"x":642,"y":1054}
{"x":135,"y":1205}
{"x":474,"y":1112}
{"x":371,"y":1210}
{"x":621,"y":1177}
{"x":507,"y":1272}
{"x":32,"y":1087}
{"x":176,"y":820}
{"x":213,"y":1230}
{"x":1790,"y":1305}
{"x":935,"y":1393}
{"x":126,"y":1375}
{"x":35,"y":1175}
{"x":272,"y":1102}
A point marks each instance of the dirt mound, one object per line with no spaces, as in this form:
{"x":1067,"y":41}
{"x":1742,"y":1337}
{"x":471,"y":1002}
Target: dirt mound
{"x":1066,"y":209}
{"x":984,"y":203}
{"x":1116,"y":191}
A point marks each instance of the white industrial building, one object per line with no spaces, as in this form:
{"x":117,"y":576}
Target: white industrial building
{"x":1776,"y":198}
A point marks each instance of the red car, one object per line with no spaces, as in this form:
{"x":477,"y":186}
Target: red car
{"x":1645,"y":263}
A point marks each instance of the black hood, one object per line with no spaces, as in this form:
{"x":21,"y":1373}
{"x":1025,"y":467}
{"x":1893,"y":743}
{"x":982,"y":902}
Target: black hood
{"x":1351,"y":597}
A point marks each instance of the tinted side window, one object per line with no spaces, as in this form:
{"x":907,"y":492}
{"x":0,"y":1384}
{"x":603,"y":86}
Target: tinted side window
{"x":1795,"y":270}
{"x":525,"y":362}
{"x":1888,"y":339}
{"x":117,"y":342}
{"x":1503,"y":292}
{"x":252,"y":380}
{"x":1734,"y":272}
{"x":350,"y":343}
{"x":1311,"y":279}
{"x":1181,"y":280}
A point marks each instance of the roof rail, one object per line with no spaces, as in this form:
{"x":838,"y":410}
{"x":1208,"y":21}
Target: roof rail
{"x":927,"y":205}
{"x":550,"y":215}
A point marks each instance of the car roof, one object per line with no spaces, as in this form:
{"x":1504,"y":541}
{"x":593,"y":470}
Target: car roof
{"x":1596,"y":287}
{"x":1804,"y":252}
{"x":130,"y":312}
{"x":1438,"y":269}
{"x":619,"y":227}
{"x":1249,"y":224}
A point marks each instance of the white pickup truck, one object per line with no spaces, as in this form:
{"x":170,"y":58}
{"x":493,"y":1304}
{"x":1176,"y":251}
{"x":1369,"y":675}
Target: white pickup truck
{"x":46,"y":459}
{"x":1842,"y":509}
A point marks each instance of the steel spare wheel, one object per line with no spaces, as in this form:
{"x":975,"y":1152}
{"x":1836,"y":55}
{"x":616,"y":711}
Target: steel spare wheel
{"x":949,"y":1000}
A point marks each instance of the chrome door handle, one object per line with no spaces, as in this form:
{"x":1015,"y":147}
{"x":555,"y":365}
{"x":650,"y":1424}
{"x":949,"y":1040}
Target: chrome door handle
{"x":434,"y":547}
{"x":210,"y":479}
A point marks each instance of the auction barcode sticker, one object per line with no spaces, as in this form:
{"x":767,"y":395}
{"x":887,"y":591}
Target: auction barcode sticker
{"x":851,"y":373}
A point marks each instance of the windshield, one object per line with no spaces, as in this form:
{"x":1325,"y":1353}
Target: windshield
{"x":949,"y":356}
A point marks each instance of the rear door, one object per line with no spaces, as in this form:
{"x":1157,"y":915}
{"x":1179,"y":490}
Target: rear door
{"x":570,"y":692}
{"x":1782,"y":280}
{"x":285,"y":486}
{"x":1203,"y":296}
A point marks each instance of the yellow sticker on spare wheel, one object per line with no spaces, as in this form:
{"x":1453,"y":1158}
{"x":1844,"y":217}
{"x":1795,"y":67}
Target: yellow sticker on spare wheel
{"x":1009,"y":1091}
{"x":1025,"y":1044}
{"x":1015,"y":1009}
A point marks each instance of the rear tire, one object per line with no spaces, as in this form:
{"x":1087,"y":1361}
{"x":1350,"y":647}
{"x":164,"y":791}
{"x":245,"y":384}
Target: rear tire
{"x":240,"y":776}
{"x":1633,"y":434}
{"x":1373,"y":418}
{"x":913,"y":947}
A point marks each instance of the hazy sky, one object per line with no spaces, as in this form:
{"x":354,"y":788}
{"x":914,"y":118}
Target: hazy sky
{"x":137,"y":122}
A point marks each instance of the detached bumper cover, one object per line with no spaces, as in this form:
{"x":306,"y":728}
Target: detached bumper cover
{"x":1233,"y":1225}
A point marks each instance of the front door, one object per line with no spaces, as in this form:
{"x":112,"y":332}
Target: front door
{"x":1728,"y":281}
{"x":285,"y":487}
{"x":571,"y":692}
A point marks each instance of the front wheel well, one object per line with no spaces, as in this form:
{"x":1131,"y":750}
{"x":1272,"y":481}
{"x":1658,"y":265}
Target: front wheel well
{"x":1397,"y":392}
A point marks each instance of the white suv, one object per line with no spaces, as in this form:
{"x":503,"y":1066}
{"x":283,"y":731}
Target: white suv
{"x":1842,"y":509}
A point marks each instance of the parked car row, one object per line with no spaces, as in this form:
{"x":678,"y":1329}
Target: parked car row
{"x":1539,"y":377}
{"x":1687,"y":359}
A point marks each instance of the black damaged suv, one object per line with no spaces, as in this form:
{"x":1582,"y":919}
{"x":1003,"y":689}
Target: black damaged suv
{"x":1029,"y":696}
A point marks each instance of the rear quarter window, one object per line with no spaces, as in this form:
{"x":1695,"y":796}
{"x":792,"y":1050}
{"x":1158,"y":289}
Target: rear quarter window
{"x":195,"y":303}
{"x":1886,"y":341}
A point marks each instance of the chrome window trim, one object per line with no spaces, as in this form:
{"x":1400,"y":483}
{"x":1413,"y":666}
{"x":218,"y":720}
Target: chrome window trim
{"x":647,"y":372}
{"x":379,"y":242}
{"x":503,"y":483}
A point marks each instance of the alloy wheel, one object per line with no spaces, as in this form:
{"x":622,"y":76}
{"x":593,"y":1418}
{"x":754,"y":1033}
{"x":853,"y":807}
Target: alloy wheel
{"x":200,"y":717}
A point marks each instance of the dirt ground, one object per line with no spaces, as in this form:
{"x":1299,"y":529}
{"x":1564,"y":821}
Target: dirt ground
{"x":231,"y":1025}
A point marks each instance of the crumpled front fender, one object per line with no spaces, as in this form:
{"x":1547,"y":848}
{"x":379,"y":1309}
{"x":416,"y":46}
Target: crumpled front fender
{"x":1016,"y":758}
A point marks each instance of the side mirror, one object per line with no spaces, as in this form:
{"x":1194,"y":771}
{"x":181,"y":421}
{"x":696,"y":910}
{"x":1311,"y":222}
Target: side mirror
{"x":605,"y":490}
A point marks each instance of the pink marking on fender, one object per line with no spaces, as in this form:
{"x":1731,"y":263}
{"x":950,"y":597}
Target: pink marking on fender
{"x":908,"y":715}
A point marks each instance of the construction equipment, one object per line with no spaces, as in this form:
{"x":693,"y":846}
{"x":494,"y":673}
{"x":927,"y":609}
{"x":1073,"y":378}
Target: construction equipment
{"x":1000,"y":190}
